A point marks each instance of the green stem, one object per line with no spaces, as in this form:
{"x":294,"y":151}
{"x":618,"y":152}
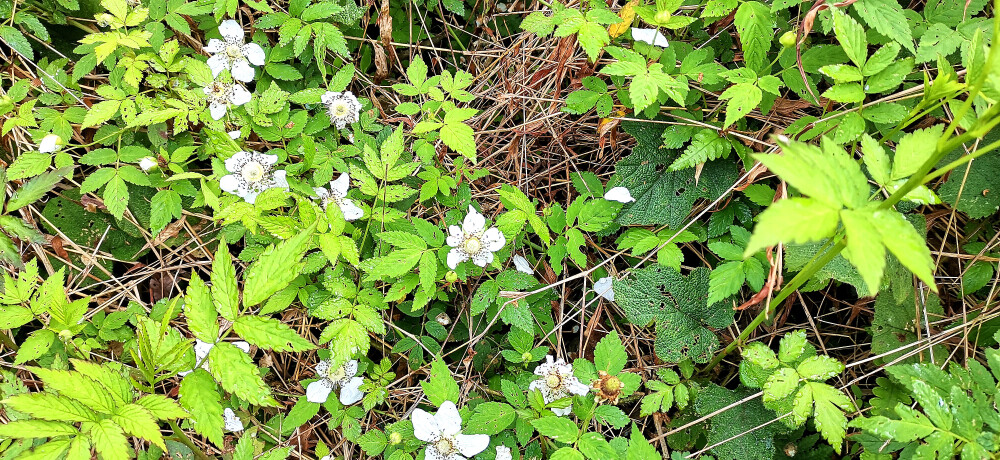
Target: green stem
{"x":183,"y":439}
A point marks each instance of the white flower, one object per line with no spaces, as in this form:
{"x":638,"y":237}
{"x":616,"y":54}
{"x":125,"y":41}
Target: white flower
{"x":234,"y":134}
{"x":343,"y":108}
{"x":330,"y":378}
{"x":650,"y":36}
{"x":443,"y":434}
{"x":338,"y":194}
{"x":619,"y":194}
{"x":503,"y":453}
{"x":50,"y":143}
{"x":557,"y":381}
{"x":251,"y":174}
{"x":473,"y":241}
{"x":147,"y":163}
{"x":231,"y":53}
{"x":222,"y":94}
{"x":201,"y":350}
{"x":604,"y":289}
{"x":232,"y":422}
{"x":522,"y":265}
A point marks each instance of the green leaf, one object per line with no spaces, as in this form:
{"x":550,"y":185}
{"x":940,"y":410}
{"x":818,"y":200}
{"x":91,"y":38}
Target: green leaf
{"x":28,"y":164}
{"x":706,"y":145}
{"x":887,"y":17}
{"x":200,"y":397}
{"x":48,"y":406}
{"x":914,"y":150}
{"x":15,"y":39}
{"x":975,"y":193}
{"x":847,"y":93}
{"x":166,"y":206}
{"x":461,"y":138}
{"x":558,"y":428}
{"x":137,"y":421}
{"x":851,"y":36}
{"x":736,"y":431}
{"x":864,"y":246}
{"x":755,"y":25}
{"x":237,"y":374}
{"x":793,"y":220}
{"x":678,"y":305}
{"x":352,"y":339}
{"x":116,"y":196}
{"x":780,"y":384}
{"x":829,"y":175}
{"x":36,"y":429}
{"x":828,"y":417}
{"x":200,"y":311}
{"x":742,"y":97}
{"x":595,"y":447}
{"x":491,"y":418}
{"x":876,"y":159}
{"x":225,"y":292}
{"x":906,"y":244}
{"x":31,"y":191}
{"x":162,"y":407}
{"x":270,"y":334}
{"x":109,"y":440}
{"x":441,"y":386}
{"x":610,"y":355}
{"x":276,"y":267}
{"x":36,"y":345}
{"x":79,"y":387}
{"x":567,"y":453}
{"x":100,"y":113}
{"x":455,"y":6}
{"x":819,"y":368}
{"x":726,"y":279}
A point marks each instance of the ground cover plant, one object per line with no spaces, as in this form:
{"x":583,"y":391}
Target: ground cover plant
{"x":338,"y":229}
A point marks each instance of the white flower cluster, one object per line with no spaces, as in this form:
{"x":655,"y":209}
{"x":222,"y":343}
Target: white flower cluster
{"x":250,"y":173}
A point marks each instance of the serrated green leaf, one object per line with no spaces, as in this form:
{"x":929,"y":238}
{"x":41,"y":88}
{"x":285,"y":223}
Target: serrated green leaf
{"x":237,"y":374}
{"x":270,"y":334}
{"x":200,"y":397}
{"x":225,"y":292}
{"x":441,"y":386}
{"x":276,"y":267}
{"x":137,"y":421}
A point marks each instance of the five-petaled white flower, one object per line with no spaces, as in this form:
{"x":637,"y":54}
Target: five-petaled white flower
{"x":473,"y":241}
{"x":201,"y":350}
{"x":330,"y":378}
{"x":337,"y":193}
{"x":556,"y":382}
{"x":251,"y":174}
{"x":50,"y":143}
{"x":232,"y":54}
{"x":503,"y":453}
{"x":223,"y":94}
{"x":343,"y":108}
{"x":443,"y":434}
{"x":604,"y":288}
{"x":231,"y":421}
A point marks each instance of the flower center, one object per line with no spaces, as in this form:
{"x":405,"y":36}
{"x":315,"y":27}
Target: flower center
{"x":472,"y":245}
{"x":252,"y":172}
{"x":234,"y":52}
{"x":553,"y":381}
{"x":340,"y":109}
{"x":337,"y":375}
{"x":445,"y":446}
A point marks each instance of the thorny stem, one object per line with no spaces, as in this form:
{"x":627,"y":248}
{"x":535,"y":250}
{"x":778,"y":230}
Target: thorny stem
{"x":921,"y":176}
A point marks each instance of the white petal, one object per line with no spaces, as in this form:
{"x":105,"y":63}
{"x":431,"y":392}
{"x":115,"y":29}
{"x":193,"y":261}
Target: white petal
{"x":472,"y":444}
{"x":232,"y":422}
{"x":267,"y":159}
{"x":231,"y":30}
{"x":474,"y":222}
{"x":229,"y":183}
{"x":503,"y":453}
{"x":254,"y":53}
{"x":50,"y":143}
{"x":455,"y":257}
{"x":318,"y":391}
{"x":234,"y":134}
{"x":217,"y":63}
{"x":493,"y":240}
{"x":201,"y":349}
{"x":242,"y":71}
{"x":239,"y":96}
{"x":250,"y":197}
{"x":604,"y":289}
{"x":281,"y":178}
{"x":329,"y":97}
{"x":650,"y":36}
{"x":215,"y":46}
{"x":424,"y":426}
{"x":340,"y":185}
{"x":351,"y":211}
{"x":217,"y":110}
{"x":521,"y":264}
{"x":482,"y":258}
{"x":562,"y":411}
{"x":242,"y":346}
{"x":321,"y":192}
{"x":147,"y":163}
{"x":578,"y":388}
{"x":431,"y":453}
{"x":448,"y":419}
{"x":350,"y":394}
{"x":322,"y":367}
{"x":455,"y":236}
{"x":233,"y":162}
{"x":619,"y":194}
{"x":535,"y":384}
{"x":350,"y":368}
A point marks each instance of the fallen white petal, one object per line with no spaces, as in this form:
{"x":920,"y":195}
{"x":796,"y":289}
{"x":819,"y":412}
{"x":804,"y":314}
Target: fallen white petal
{"x":603,"y":288}
{"x":522,"y":265}
{"x":650,"y":36}
{"x":232,"y":422}
{"x":619,"y":194}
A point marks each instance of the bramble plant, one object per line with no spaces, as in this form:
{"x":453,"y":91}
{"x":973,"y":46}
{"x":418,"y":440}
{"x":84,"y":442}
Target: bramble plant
{"x":721,"y":229}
